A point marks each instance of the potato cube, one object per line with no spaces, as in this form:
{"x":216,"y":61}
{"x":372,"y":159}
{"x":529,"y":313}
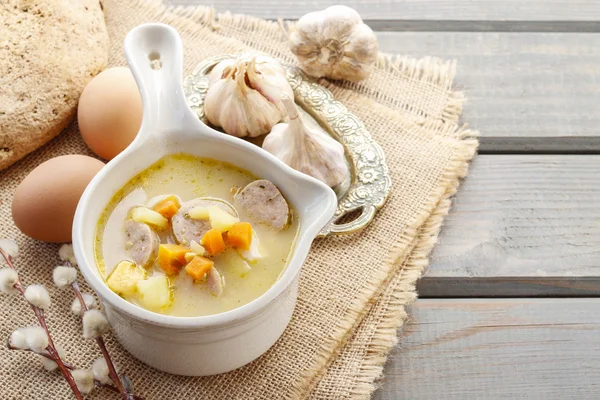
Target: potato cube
{"x":198,"y":213}
{"x":197,"y":248}
{"x":221,"y":219}
{"x":123,"y":280}
{"x":149,"y":217}
{"x":154,"y":293}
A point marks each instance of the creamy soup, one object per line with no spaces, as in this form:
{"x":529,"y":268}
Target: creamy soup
{"x":193,"y":236}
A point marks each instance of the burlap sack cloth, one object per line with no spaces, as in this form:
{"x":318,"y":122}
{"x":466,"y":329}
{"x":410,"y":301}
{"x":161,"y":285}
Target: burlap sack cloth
{"x":353,"y":289}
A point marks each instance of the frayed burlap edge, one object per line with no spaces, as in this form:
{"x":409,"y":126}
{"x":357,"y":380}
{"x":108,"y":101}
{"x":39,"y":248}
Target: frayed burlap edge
{"x":402,"y":287}
{"x":421,"y":234}
{"x":413,"y":247}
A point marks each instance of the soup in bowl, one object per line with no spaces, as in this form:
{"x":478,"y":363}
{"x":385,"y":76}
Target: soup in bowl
{"x":194,"y":239}
{"x":193,"y":236}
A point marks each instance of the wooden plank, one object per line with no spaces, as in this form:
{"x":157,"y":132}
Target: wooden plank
{"x":497,"y":349}
{"x":395,"y":25}
{"x":521,"y":226}
{"x":521,"y":87}
{"x":539,"y":145}
{"x":425,"y":10}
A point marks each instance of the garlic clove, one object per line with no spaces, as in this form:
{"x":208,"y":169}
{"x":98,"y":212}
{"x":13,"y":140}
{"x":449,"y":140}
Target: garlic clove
{"x":218,"y":71}
{"x":307,"y":149}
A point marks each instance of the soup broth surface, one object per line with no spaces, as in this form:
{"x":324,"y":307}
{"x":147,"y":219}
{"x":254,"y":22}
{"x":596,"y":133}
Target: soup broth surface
{"x":191,"y":177}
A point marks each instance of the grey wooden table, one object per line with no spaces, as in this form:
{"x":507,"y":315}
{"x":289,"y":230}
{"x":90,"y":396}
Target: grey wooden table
{"x":509,"y":306}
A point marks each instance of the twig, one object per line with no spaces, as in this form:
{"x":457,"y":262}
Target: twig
{"x":48,"y":356}
{"x":112,"y":372}
{"x":42,"y":321}
{"x":70,"y":367}
{"x":114,"y":389}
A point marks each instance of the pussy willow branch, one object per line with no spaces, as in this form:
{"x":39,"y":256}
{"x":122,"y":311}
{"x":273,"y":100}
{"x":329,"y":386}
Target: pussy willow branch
{"x":112,"y":372}
{"x":70,"y":367}
{"x":42,"y":321}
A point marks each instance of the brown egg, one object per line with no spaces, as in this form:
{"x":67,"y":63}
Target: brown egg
{"x":44,"y":204}
{"x":110,"y":112}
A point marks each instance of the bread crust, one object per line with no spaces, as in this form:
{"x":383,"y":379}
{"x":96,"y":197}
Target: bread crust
{"x":49,"y":50}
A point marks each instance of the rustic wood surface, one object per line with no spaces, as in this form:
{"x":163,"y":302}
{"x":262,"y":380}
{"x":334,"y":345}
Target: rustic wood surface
{"x":523,"y":225}
{"x":419,"y":10}
{"x":520,"y":86}
{"x":497,"y":349}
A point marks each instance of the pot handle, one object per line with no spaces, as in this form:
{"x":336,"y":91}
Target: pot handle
{"x":155,"y":55}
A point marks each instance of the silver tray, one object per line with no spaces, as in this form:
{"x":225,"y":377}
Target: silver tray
{"x":369,"y":185}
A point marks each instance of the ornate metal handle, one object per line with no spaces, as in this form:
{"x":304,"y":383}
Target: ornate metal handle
{"x":366,"y":216}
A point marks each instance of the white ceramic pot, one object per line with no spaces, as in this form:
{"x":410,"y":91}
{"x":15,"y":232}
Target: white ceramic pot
{"x":198,"y":345}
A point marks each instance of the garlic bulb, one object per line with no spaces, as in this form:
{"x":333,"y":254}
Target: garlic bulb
{"x":216,"y":72}
{"x":307,"y":149}
{"x":334,"y":43}
{"x":243,"y":96}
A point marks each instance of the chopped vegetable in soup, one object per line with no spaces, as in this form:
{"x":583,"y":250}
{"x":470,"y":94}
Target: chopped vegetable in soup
{"x":193,"y":236}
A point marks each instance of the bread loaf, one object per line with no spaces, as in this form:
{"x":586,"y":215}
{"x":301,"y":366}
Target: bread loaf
{"x":49,"y":50}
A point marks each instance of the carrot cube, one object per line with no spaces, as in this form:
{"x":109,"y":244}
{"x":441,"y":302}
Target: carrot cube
{"x":171,"y":258}
{"x":167,"y":207}
{"x":213,"y":242}
{"x":198,"y":267}
{"x":240,"y":235}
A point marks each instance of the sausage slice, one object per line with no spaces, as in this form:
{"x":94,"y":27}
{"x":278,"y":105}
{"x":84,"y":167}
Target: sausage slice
{"x":264,"y":203}
{"x":142,"y":242}
{"x":187,"y":229}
